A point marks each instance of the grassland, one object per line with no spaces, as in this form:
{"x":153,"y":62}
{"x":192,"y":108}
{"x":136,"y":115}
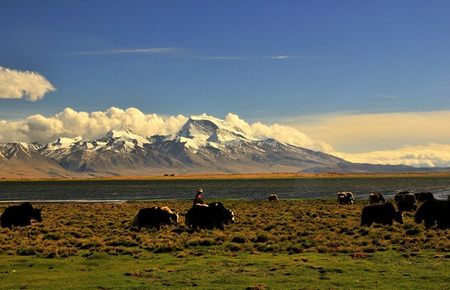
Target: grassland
{"x":286,"y":245}
{"x":388,"y":270}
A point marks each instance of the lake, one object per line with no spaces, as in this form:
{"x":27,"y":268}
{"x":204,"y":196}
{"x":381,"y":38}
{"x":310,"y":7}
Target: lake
{"x":122,"y":190}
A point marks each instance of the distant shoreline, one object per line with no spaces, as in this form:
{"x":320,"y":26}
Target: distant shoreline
{"x":39,"y":201}
{"x":244,"y":176}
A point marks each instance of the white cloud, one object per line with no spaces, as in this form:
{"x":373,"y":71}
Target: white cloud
{"x":70,"y":123}
{"x":277,"y":57}
{"x":185,"y":53}
{"x":225,"y":57}
{"x":279,"y":132}
{"x":388,"y":97}
{"x":91,"y":125}
{"x":411,"y":138}
{"x":149,"y":50}
{"x":236,"y":57}
{"x":29,"y":85}
{"x":376,"y":132}
{"x":431,"y":155}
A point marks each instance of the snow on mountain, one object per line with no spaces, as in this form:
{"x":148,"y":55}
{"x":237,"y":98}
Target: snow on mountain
{"x":126,"y":135}
{"x":204,"y":130}
{"x":63,"y":142}
{"x":204,"y":143}
{"x":16,"y":150}
{"x":123,"y":140}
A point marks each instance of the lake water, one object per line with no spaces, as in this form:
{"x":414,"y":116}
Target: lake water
{"x":122,"y":190}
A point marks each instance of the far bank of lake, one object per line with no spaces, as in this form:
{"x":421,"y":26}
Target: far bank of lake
{"x":287,"y":186}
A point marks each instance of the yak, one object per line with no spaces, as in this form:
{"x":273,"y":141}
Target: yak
{"x":405,"y":201}
{"x":423,"y":196}
{"x":273,"y":197}
{"x":380,"y":213}
{"x":210,"y":216}
{"x":434,"y":212}
{"x":345,"y":197}
{"x":20,"y":215}
{"x":154,"y":217}
{"x":376,"y":197}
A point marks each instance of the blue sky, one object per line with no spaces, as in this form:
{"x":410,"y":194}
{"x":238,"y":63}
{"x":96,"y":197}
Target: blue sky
{"x":331,"y":69}
{"x":359,"y":56}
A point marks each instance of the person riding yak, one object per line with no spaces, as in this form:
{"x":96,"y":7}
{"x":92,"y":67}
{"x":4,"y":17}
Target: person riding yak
{"x":198,"y":199}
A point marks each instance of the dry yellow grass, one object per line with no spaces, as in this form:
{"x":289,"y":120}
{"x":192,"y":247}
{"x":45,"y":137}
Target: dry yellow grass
{"x":293,"y":226}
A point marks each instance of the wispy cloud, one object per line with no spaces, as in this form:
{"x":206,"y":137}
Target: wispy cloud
{"x":224,"y":57}
{"x":277,"y":57}
{"x":184,"y":53}
{"x":388,"y":97}
{"x":237,"y":57}
{"x":148,"y":50}
{"x":28,"y":85}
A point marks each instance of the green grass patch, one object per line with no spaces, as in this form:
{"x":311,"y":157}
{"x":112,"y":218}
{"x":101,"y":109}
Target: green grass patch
{"x":386,"y":270}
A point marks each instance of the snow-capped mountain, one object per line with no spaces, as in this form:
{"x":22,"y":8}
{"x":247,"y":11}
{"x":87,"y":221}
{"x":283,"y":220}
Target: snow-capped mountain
{"x":201,"y":131}
{"x":23,"y":160}
{"x":203,"y":144}
{"x":17,"y":150}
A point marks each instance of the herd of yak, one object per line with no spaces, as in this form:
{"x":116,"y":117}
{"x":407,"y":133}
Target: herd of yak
{"x":206,"y":216}
{"x":432,"y":211}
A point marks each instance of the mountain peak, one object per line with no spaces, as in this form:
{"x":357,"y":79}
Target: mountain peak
{"x":123,"y":132}
{"x":125,"y":137}
{"x":65,"y":140}
{"x":16,"y":150}
{"x":196,"y":127}
{"x":203,"y":130}
{"x":221,"y":124}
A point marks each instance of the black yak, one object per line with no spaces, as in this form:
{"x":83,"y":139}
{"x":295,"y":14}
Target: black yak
{"x":380,"y":213}
{"x":405,"y":201}
{"x":210,"y":216}
{"x":423,"y":196}
{"x":20,"y":215}
{"x":345,"y":197}
{"x":273,"y":197}
{"x":434,"y":212}
{"x":376,"y":197}
{"x":154,"y":217}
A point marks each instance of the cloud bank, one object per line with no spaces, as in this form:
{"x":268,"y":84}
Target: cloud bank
{"x":376,"y":132}
{"x":71,"y":123}
{"x":92,"y":125}
{"x":431,"y":155}
{"x":412,"y":138}
{"x":279,"y":132}
{"x":28,"y":85}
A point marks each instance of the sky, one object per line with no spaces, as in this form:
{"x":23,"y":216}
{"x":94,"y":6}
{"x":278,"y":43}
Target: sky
{"x":370,"y":79}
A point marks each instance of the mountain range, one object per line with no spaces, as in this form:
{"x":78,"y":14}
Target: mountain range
{"x":204,"y":144}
